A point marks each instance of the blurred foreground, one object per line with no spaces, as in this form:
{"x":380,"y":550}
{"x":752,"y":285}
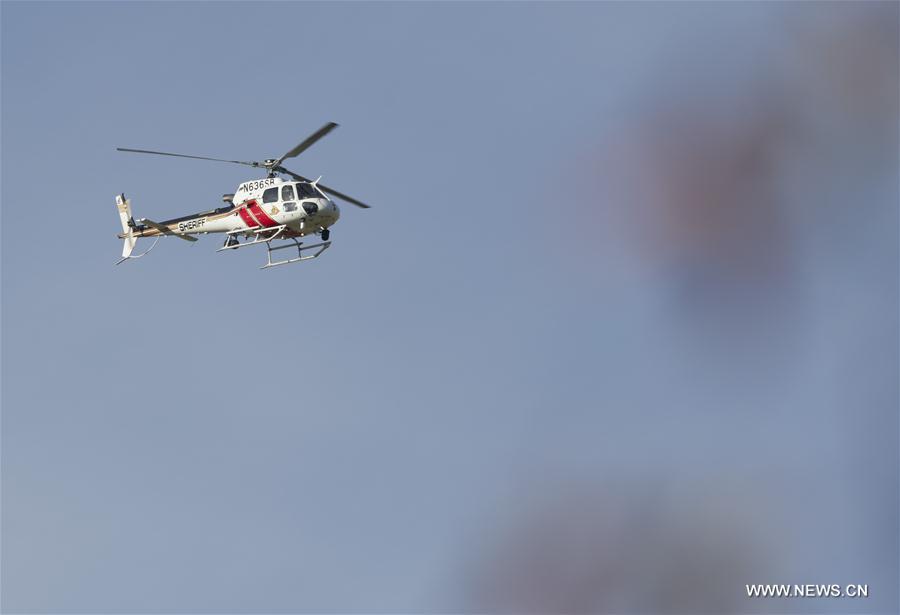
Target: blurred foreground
{"x":743,"y":213}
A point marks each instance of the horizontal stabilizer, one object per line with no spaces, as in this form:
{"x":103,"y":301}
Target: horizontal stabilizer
{"x":165,"y":230}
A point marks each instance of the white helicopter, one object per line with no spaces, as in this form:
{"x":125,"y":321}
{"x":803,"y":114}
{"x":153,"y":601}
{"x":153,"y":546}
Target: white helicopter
{"x":260,"y":210}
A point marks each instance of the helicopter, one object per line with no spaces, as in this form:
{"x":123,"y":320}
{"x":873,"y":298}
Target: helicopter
{"x":272,"y":211}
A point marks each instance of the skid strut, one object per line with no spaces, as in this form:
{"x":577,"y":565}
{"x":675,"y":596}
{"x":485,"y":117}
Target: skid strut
{"x":262,"y":235}
{"x":266,"y":236}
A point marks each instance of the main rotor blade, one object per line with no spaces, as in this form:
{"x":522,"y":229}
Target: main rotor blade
{"x":342,"y":196}
{"x":147,"y":151}
{"x":324,"y":130}
{"x":324,"y":188}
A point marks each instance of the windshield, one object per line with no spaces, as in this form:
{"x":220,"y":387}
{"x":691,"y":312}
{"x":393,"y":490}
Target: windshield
{"x":306,"y":191}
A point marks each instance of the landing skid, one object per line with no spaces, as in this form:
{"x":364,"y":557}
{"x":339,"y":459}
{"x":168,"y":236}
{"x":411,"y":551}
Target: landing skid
{"x":267,"y":236}
{"x":300,"y":249}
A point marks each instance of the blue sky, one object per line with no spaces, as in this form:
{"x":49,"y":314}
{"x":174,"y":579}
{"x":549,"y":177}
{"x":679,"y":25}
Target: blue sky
{"x":514,"y":321}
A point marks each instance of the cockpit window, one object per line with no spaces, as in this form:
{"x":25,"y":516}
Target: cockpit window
{"x":270,"y":195}
{"x":287,"y":193}
{"x":306,"y":191}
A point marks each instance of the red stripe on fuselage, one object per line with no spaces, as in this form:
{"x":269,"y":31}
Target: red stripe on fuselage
{"x":260,"y":215}
{"x":247,"y":218}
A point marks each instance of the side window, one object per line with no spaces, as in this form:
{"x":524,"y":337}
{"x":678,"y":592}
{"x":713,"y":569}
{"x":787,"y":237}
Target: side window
{"x":290,"y":207}
{"x":270,"y":195}
{"x":287,"y":193}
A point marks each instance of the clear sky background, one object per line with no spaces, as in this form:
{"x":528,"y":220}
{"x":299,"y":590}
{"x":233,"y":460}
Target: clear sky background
{"x":619,"y":333}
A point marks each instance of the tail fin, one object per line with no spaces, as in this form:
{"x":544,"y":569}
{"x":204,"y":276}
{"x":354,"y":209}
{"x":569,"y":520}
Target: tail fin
{"x":124,"y":206}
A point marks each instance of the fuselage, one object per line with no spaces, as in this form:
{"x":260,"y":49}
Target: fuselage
{"x":259,"y":204}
